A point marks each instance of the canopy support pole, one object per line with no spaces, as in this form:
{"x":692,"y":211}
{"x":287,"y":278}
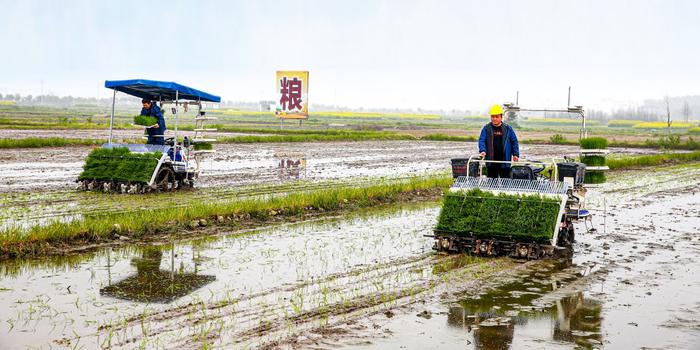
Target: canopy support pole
{"x":111,"y":117}
{"x":177,"y":117}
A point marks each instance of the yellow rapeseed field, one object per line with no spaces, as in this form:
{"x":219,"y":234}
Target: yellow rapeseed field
{"x":662,"y":125}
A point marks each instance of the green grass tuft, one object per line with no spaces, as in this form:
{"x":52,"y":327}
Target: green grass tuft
{"x":594,"y":143}
{"x":443,"y":137}
{"x":558,"y":139}
{"x":523,"y":217}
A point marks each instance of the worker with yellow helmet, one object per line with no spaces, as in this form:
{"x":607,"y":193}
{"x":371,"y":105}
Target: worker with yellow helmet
{"x":498,"y":142}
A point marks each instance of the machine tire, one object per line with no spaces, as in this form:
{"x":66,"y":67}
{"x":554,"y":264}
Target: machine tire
{"x":165,"y":180}
{"x":572,"y":234}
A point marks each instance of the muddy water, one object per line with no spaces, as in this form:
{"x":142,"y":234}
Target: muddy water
{"x":46,"y":301}
{"x":55,"y":169}
{"x":371,"y":281}
{"x":632,"y":284}
{"x":38,"y":184}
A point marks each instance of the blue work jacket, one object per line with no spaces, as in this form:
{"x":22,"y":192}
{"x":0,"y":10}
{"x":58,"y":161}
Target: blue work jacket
{"x":155,"y":112}
{"x":510,"y":143}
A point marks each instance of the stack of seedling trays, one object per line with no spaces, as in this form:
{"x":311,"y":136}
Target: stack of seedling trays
{"x":119,"y":165}
{"x":482,"y":214}
{"x":201,"y":144}
{"x":592,"y":153}
{"x":505,"y":209}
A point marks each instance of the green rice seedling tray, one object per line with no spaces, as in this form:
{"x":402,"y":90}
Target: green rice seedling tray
{"x":594,"y":143}
{"x":594,"y":177}
{"x":203,"y":146}
{"x":593,"y":160}
{"x":525,"y":218}
{"x":119,"y":164}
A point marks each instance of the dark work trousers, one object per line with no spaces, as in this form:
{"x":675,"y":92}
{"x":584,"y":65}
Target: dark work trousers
{"x":496,"y":170}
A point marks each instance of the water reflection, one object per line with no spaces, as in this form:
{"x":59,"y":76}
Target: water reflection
{"x":151,"y":284}
{"x":291,"y":165}
{"x":493,"y":318}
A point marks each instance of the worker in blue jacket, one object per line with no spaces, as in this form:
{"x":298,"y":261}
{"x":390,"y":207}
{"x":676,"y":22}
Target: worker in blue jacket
{"x":156,"y":131}
{"x":498,"y":142}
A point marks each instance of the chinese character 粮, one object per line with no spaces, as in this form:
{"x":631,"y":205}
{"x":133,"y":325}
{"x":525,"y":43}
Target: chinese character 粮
{"x":291,"y":94}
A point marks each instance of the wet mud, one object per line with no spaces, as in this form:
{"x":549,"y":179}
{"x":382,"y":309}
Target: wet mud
{"x":371,"y":280}
{"x":38,"y":185}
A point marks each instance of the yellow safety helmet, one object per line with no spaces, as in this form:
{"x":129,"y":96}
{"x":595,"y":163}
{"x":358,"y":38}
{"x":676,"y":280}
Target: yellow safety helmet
{"x":496,"y":109}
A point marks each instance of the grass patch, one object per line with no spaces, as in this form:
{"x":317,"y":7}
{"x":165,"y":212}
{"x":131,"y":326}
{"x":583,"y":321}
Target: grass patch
{"x":558,"y":121}
{"x":118,"y":164}
{"x":37,"y":142}
{"x":594,"y":143}
{"x":373,"y":115}
{"x":558,"y":139}
{"x":694,"y":131}
{"x":317,"y":137}
{"x":443,"y":137}
{"x":622,"y":123}
{"x":523,"y":217}
{"x":17,"y":242}
{"x":651,"y":160}
{"x":145,"y":120}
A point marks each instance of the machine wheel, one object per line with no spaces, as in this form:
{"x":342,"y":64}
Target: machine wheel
{"x":566,"y":236}
{"x":165,"y":180}
{"x":572,"y":234}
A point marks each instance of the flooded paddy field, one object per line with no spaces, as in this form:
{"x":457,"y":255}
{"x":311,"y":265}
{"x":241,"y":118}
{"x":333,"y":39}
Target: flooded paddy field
{"x":39,"y":184}
{"x":370,"y":280}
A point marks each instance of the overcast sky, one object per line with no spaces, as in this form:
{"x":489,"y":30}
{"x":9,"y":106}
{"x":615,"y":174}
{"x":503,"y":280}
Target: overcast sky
{"x":428,"y":54}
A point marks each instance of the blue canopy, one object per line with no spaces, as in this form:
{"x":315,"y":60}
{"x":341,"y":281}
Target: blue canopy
{"x":159,"y":90}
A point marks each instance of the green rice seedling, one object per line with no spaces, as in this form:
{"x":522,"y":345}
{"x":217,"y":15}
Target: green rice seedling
{"x":118,"y":164}
{"x":594,"y":177}
{"x":651,"y":160}
{"x":37,"y":142}
{"x":145,"y":120}
{"x":443,"y":137}
{"x":203,"y":146}
{"x":524,"y":217}
{"x":594,"y":143}
{"x":14,"y":240}
{"x":593,"y":160}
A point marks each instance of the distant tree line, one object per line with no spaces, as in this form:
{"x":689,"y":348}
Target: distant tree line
{"x":682,"y":108}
